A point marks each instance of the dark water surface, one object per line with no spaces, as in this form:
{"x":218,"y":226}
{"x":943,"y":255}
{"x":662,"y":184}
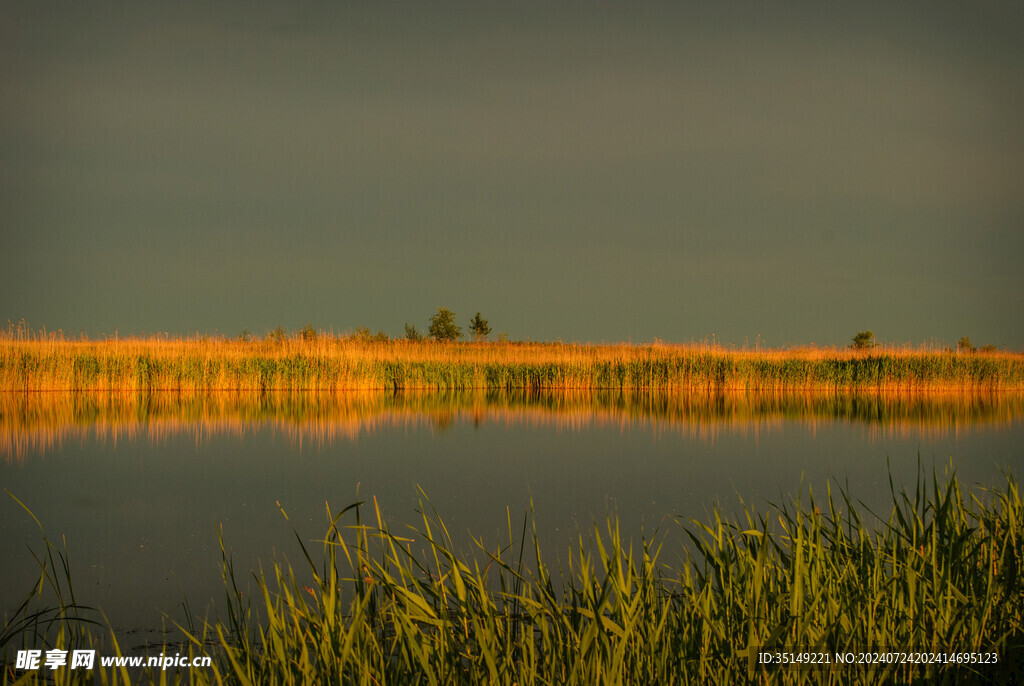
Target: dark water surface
{"x":139,"y":486}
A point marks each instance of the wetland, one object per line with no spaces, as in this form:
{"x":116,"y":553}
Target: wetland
{"x":163,"y":495}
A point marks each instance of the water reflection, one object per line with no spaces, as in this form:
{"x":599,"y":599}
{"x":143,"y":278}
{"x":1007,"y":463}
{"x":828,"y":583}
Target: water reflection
{"x":37,"y":423}
{"x":145,"y":487}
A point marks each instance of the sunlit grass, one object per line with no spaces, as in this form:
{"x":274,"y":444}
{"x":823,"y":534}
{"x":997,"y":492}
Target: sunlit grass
{"x":48,"y":363}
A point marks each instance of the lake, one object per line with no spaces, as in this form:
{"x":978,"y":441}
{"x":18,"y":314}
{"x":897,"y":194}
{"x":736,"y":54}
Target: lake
{"x":139,"y":486}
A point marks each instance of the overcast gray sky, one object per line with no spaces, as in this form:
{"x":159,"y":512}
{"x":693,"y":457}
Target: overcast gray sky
{"x":793,"y":172}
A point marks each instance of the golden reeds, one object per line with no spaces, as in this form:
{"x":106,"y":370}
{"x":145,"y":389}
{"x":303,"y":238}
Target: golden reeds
{"x":345,"y":363}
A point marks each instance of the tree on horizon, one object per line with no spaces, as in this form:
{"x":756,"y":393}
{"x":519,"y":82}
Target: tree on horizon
{"x":863,"y":339}
{"x":479,"y":327}
{"x":443,"y":326}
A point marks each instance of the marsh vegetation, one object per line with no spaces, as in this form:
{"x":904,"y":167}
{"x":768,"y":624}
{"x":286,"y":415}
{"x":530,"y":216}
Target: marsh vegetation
{"x":298,"y":417}
{"x":375,"y":604}
{"x":323,"y":362}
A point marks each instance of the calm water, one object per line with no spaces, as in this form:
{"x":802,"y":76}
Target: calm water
{"x":139,"y":487}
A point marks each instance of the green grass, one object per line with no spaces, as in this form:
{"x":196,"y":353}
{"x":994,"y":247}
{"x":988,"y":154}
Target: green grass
{"x":940,"y":571}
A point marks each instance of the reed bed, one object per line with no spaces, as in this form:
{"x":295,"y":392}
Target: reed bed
{"x":939,"y":572}
{"x":346,"y":363}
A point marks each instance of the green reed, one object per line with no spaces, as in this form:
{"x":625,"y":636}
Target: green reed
{"x":939,"y":571}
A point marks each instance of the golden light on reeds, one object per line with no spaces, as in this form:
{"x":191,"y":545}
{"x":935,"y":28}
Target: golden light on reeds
{"x":347,"y":363}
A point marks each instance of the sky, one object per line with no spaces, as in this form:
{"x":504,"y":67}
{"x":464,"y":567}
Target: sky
{"x":750,"y":173}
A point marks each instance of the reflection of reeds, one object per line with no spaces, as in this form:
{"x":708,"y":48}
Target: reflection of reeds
{"x":329,"y":363}
{"x":39,"y":422}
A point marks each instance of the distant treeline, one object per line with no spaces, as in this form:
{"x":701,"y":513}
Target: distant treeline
{"x":333,"y":363}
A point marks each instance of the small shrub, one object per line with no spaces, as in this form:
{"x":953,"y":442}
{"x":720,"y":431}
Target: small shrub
{"x":308,"y":333}
{"x":412,"y":333}
{"x":863,"y":340}
{"x":965,"y":345}
{"x":277,"y":335}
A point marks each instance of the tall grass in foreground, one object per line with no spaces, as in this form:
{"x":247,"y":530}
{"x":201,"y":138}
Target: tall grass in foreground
{"x":940,"y":573}
{"x":331,"y":363}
